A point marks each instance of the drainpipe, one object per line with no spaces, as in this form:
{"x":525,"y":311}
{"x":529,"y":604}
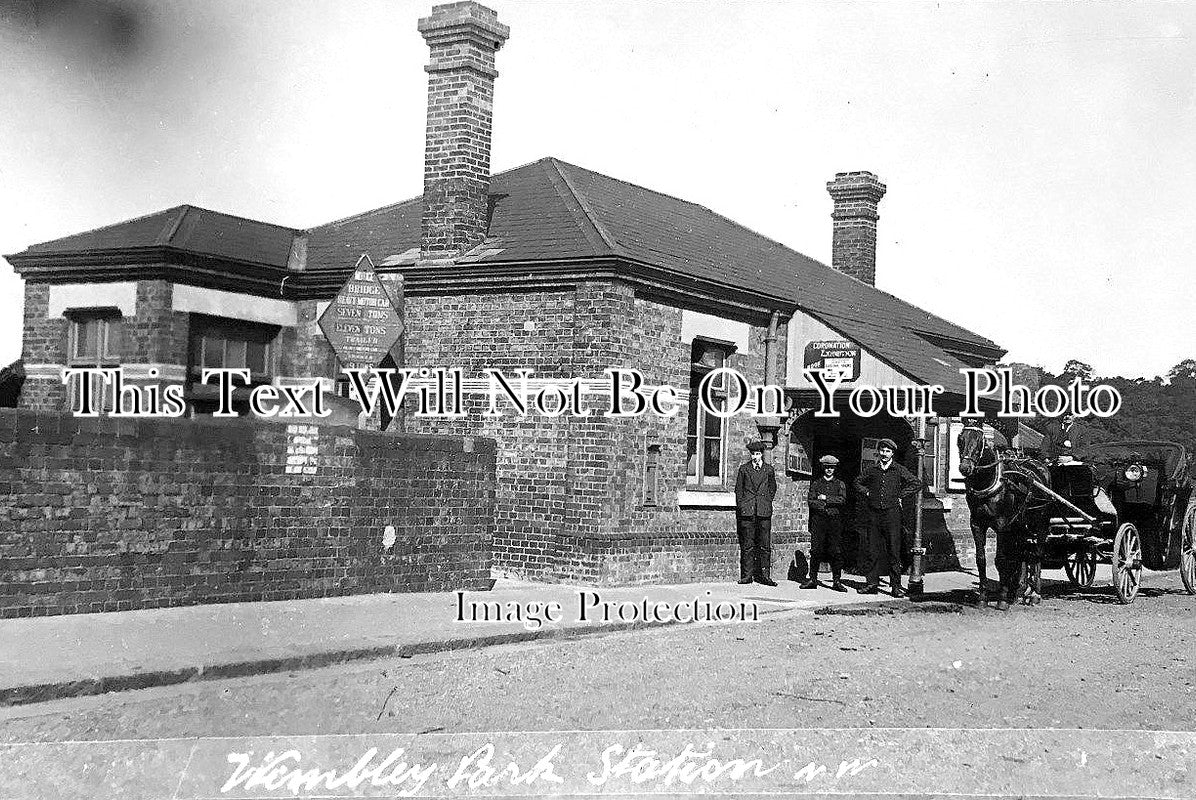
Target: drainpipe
{"x":769,"y":427}
{"x":770,"y":347}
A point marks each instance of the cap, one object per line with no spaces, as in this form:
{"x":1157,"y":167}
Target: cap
{"x":757,"y":446}
{"x":889,"y":443}
{"x":829,"y":461}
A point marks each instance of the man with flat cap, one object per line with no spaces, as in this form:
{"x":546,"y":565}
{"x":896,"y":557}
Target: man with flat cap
{"x":755,"y":488}
{"x":826,"y":497}
{"x":884,"y":486}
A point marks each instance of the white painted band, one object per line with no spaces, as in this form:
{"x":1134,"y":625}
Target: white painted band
{"x":218,"y":303}
{"x":696,"y":324}
{"x":70,"y":296}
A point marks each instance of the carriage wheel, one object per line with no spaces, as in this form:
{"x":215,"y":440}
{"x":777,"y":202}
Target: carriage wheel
{"x":1127,"y":562}
{"x":1187,"y":551}
{"x":1080,"y":567}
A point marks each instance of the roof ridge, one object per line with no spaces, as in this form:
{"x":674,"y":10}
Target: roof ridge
{"x":787,"y":248}
{"x":137,"y":218}
{"x":361,"y":214}
{"x":241,"y":217}
{"x":709,"y":210}
{"x":587,"y":212}
{"x":172,"y":227}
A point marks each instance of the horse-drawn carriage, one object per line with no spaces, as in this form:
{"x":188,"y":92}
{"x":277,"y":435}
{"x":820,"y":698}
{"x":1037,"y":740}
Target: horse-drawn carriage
{"x":1129,"y":504}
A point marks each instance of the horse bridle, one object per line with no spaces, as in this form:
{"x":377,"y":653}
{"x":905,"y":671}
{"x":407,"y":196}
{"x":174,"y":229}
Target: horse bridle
{"x":978,"y":465}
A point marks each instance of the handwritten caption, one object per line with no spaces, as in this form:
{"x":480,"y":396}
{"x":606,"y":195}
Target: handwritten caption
{"x":288,"y":772}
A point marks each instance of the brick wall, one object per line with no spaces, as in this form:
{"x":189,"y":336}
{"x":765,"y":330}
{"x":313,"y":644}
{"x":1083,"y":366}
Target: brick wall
{"x":156,"y":333}
{"x":462,"y":39}
{"x":44,"y":341}
{"x":507,"y":331}
{"x":669,"y":542}
{"x":569,"y":492}
{"x":853,"y":246}
{"x":105,"y":514}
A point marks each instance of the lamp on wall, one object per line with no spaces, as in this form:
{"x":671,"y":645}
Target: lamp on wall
{"x":768,"y":428}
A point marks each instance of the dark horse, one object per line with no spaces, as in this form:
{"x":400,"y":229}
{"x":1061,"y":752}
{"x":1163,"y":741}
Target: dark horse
{"x":1001,"y":497}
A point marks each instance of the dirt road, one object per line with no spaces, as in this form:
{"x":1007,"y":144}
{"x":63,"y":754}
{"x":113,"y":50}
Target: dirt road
{"x":1080,"y":660}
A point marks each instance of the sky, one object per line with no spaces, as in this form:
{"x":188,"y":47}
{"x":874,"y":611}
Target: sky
{"x":1039,"y":156}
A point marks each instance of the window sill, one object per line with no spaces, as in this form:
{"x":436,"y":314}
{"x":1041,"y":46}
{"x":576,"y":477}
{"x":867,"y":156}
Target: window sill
{"x":705,"y":498}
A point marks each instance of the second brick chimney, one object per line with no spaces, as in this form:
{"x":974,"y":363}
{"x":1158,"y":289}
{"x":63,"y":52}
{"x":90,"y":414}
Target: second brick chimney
{"x":463,"y":38}
{"x":853,"y":249}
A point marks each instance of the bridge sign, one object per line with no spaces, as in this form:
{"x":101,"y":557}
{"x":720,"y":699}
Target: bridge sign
{"x":362,"y":323}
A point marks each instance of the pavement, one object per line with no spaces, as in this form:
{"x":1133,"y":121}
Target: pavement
{"x":46,"y":658}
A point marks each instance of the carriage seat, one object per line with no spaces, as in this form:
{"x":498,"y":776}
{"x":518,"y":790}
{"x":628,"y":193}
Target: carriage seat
{"x":1074,"y":480}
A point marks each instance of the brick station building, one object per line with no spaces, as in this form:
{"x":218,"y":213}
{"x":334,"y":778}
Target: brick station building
{"x":549,"y":267}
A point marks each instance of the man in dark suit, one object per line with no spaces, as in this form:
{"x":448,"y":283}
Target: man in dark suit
{"x":884,"y":486}
{"x":755,"y":488}
{"x":1062,"y":438}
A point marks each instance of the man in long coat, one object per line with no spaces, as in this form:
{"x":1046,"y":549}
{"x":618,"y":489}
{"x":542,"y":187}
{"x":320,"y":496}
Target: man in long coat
{"x":755,"y":488}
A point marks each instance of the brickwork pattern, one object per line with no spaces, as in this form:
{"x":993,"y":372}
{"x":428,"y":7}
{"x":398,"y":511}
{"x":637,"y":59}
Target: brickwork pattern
{"x":105,"y":514}
{"x":303,"y":351}
{"x":508,"y":332}
{"x":853,"y":246}
{"x":569,"y":491}
{"x":668,"y":542}
{"x":156,"y":333}
{"x":463,"y":39}
{"x":44,"y":342}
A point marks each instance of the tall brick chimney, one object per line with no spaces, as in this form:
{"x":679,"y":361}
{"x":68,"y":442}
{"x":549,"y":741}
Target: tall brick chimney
{"x":853,"y":250}
{"x":463,"y":38}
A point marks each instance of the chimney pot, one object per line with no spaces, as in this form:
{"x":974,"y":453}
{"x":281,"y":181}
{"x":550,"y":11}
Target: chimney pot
{"x":856,"y":196}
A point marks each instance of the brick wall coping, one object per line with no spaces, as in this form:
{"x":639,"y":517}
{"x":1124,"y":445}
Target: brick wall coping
{"x":65,"y":427}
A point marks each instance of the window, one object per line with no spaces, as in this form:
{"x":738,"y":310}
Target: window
{"x":652,"y":476}
{"x":216,"y":342}
{"x":94,"y":340}
{"x":707,"y":440}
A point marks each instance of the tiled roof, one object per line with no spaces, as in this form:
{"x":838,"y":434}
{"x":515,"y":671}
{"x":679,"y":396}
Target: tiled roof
{"x":187,"y":229}
{"x":550,"y":211}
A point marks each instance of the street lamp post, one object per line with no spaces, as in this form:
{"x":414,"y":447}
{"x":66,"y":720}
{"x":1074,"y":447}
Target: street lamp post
{"x":918,"y":551}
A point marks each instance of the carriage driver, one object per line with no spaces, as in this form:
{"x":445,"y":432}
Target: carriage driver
{"x":1070,"y":476}
{"x":826,"y":497}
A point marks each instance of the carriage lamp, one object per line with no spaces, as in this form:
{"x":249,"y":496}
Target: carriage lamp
{"x":1135,"y":472}
{"x":768,"y":428}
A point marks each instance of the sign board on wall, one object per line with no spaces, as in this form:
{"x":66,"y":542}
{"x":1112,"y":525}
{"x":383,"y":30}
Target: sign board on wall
{"x":868,"y":455}
{"x":799,"y":459}
{"x":834,"y":355}
{"x":362,"y":323}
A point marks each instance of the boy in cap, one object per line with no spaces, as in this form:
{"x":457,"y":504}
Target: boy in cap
{"x":884,"y":486}
{"x":826,"y":497}
{"x":755,"y":487}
